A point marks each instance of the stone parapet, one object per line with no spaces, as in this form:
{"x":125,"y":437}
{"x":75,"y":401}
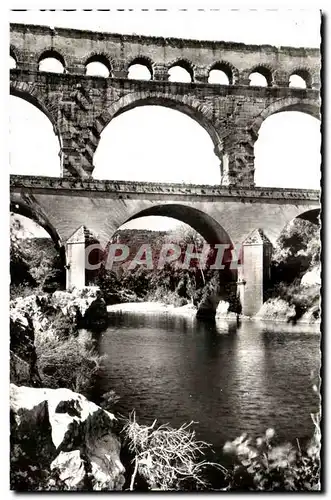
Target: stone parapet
{"x":136,"y":189}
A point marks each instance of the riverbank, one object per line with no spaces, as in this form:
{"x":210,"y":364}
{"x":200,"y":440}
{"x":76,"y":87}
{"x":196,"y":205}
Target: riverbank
{"x":152,"y":308}
{"x":269,"y":313}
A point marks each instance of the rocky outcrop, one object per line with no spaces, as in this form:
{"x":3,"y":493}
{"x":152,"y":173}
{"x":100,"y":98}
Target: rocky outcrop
{"x":23,"y":358}
{"x":37,"y":309}
{"x":312,"y":277}
{"x":36,"y":317}
{"x":85,"y":307}
{"x":276,"y":310}
{"x":220,"y":289}
{"x":62,"y":441}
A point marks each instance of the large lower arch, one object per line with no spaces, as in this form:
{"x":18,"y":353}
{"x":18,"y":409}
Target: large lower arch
{"x":185,"y":104}
{"x":203,"y":223}
{"x":28,"y":210}
{"x":223,"y":285}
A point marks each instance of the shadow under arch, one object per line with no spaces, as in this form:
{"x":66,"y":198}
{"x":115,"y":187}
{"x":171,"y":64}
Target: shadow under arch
{"x":312,"y":216}
{"x":21,"y":208}
{"x":187,"y":105}
{"x":223,"y":284}
{"x":203,"y":223}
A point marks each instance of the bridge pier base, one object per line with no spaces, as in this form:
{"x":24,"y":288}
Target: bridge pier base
{"x":255,"y":271}
{"x":78,"y":273}
{"x":75,"y":252}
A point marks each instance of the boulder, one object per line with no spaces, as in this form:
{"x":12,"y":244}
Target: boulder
{"x":35,"y":308}
{"x":312,"y":277}
{"x":223,"y":311}
{"x":277,"y":310}
{"x":23,"y":358}
{"x":85,"y":306}
{"x":222,"y":308}
{"x":62,"y":441}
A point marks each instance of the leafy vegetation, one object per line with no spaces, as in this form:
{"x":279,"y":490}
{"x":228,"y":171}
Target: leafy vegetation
{"x":68,"y":363}
{"x":171,"y":284}
{"x":20,"y":275}
{"x":35,"y":264}
{"x":265,"y":466}
{"x":297,"y":251}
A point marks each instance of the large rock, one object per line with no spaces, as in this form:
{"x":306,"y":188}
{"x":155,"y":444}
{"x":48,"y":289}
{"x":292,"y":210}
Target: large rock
{"x":312,"y":277}
{"x":85,"y":306}
{"x":35,"y":308}
{"x":23,"y":358}
{"x":62,"y":441}
{"x":276,"y":310}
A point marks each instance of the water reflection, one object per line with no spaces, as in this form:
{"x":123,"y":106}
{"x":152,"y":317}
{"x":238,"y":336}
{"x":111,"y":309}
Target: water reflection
{"x":229,"y":379}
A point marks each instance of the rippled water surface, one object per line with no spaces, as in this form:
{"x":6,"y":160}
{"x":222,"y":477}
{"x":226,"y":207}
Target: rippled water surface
{"x":229,"y":380}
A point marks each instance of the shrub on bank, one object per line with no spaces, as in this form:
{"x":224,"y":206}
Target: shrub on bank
{"x":300,"y":299}
{"x":67,"y":363}
{"x":165,"y":296}
{"x":62,"y":325}
{"x":166,"y":458}
{"x":264,"y":466}
{"x":22,"y":290}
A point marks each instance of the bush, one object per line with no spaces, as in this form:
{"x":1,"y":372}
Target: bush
{"x":61,"y":324}
{"x":162,"y":294}
{"x":34,"y":262}
{"x":296,"y":250}
{"x":68,"y":363}
{"x":303,"y":298}
{"x":166,"y":458}
{"x":22,"y":290}
{"x":263,"y":466}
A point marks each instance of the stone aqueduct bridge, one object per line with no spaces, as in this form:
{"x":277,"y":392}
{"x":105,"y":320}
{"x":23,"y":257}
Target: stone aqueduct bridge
{"x":80,"y":107}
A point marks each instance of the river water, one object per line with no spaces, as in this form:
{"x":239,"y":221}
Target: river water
{"x":227,"y":379}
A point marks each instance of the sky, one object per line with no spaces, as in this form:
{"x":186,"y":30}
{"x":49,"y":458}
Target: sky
{"x":287,"y":151}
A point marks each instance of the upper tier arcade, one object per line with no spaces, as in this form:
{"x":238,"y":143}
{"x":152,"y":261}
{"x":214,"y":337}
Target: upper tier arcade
{"x":75,"y":48}
{"x":80,"y":106}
